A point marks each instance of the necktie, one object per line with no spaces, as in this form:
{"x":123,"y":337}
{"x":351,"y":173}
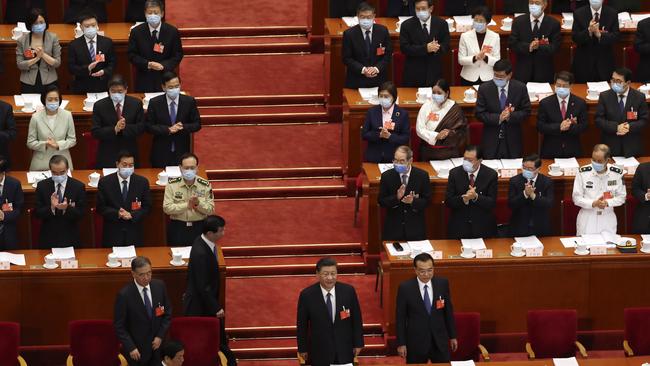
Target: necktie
{"x":125,"y":190}
{"x":536,"y":28}
{"x":330,"y":311}
{"x":471,"y":180}
{"x":154,"y":35}
{"x":147,"y":303}
{"x":425,"y":30}
{"x":172,"y":119}
{"x":563,"y":109}
{"x":91,"y":50}
{"x":503,"y":98}
{"x":621,"y":104}
{"x":405,"y":179}
{"x":59,"y":193}
{"x":368,"y":42}
{"x":214,"y":250}
{"x":427,"y":300}
{"x":597,"y":17}
{"x":118,"y":111}
{"x":531,"y":183}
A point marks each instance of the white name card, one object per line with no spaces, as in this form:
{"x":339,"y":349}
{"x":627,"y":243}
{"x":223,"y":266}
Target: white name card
{"x":598,"y":250}
{"x":508,"y":173}
{"x":484,"y":253}
{"x":126,"y":262}
{"x":534,"y":252}
{"x":69,"y":264}
{"x":437,"y":254}
{"x":4,"y":266}
{"x":570,"y":172}
{"x":631,"y":169}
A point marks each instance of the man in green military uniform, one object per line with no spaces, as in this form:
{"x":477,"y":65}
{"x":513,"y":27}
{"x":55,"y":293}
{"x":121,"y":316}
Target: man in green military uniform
{"x":188,"y":200}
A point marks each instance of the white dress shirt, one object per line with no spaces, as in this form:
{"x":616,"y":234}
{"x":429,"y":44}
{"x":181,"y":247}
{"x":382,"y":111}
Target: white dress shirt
{"x":157,"y":29}
{"x":599,"y":11}
{"x":532,"y":21}
{"x":332,"y":299}
{"x":120,"y":179}
{"x":387,"y":115}
{"x":169,"y":107}
{"x":2,"y":185}
{"x":618,"y":96}
{"x":428,"y":23}
{"x":140,"y":288}
{"x":94,"y":40}
{"x":426,"y":128}
{"x":211,"y":244}
{"x":429,"y":290}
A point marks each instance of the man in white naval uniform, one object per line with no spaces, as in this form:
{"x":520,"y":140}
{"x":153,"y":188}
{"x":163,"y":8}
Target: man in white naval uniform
{"x":597,"y":189}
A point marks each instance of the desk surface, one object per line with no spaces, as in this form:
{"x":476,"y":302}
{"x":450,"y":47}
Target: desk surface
{"x":118,"y":32}
{"x":631,"y":361}
{"x":75,"y":105}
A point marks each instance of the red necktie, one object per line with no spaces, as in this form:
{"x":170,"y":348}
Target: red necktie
{"x":563,"y":110}
{"x":118,"y":110}
{"x":471,"y":180}
{"x":597,"y":17}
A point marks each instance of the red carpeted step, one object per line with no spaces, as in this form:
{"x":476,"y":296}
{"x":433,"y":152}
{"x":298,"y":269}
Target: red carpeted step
{"x":286,"y":347}
{"x":259,"y":100}
{"x":288,"y":265}
{"x":276,"y":173}
{"x":239,"y":45}
{"x":263,"y":114}
{"x":285,"y":331}
{"x":288,"y":249}
{"x":314,"y":187}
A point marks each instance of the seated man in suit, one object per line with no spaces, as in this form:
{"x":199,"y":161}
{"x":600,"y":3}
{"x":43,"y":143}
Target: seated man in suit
{"x":405,"y":193}
{"x":117,"y":123}
{"x":60,"y":204}
{"x":77,"y":7}
{"x":123,"y":200}
{"x":329,"y":325}
{"x":502,"y":107}
{"x":461,"y":7}
{"x":7,"y":129}
{"x":143,"y":313}
{"x":530,"y":197}
{"x":641,"y":191}
{"x":561,"y":118}
{"x":423,"y":40}
{"x":514,"y":6}
{"x":11,"y":203}
{"x":471,"y":197}
{"x":343,"y":8}
{"x":642,"y":46}
{"x":567,"y":6}
{"x":535,"y":39}
{"x":367,"y":50}
{"x":91,"y":58}
{"x":397,"y":8}
{"x":386,"y":126}
{"x":425,"y":332}
{"x":154,"y":48}
{"x":595,"y":33}
{"x":622,"y":116}
{"x":171,"y":353}
{"x":171,"y":119}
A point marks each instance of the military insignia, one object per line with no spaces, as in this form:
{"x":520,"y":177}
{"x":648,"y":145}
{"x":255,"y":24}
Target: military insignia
{"x":589,"y":185}
{"x":202,"y":181}
{"x":612,"y":182}
{"x":586,"y":168}
{"x":616,"y":169}
{"x":178,"y":195}
{"x":175,"y":180}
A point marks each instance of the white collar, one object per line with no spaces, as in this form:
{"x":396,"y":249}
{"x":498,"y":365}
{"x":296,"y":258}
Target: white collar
{"x":541,"y":18}
{"x":169,"y":100}
{"x":599,"y":11}
{"x":565,"y":99}
{"x":148,"y":287}
{"x":422,"y":284}
{"x":476,"y":172}
{"x":157,"y":28}
{"x":428,"y":22}
{"x":325,"y":292}
{"x":94,"y":39}
{"x":4,"y":178}
{"x":120,"y":179}
{"x":211,"y":244}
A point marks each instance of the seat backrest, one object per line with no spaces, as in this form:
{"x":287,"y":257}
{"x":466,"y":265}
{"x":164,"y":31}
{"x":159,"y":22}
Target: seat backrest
{"x":498,"y":6}
{"x":93,"y":343}
{"x":9,"y":342}
{"x":475,"y":133}
{"x":34,"y":229}
{"x":468,"y":333}
{"x":98,"y":227}
{"x":455,"y":67}
{"x":91,"y":149}
{"x":630,"y":206}
{"x":200,"y":336}
{"x":568,"y":216}
{"x":631,"y":58}
{"x":512,"y":56}
{"x":398,"y":67}
{"x":637,"y":330}
{"x":502,"y":211}
{"x":415,"y":144}
{"x":383,"y":7}
{"x":553,"y":333}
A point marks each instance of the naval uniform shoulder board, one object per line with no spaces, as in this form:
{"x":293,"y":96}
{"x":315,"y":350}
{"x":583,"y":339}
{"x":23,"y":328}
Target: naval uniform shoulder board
{"x":616,"y":169}
{"x":175,"y":180}
{"x":586,"y":168}
{"x":202,"y":181}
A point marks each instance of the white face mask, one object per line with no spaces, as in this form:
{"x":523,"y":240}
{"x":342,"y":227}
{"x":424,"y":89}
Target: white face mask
{"x":423,"y":15}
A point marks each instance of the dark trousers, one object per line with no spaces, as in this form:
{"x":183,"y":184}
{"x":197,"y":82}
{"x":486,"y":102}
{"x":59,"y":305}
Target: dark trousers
{"x":435,"y":355}
{"x":179,"y":234}
{"x":464,"y":82}
{"x":37,"y":88}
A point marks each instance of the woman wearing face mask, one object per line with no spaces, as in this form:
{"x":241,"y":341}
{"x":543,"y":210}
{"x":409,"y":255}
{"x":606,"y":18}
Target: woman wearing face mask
{"x":386,"y":126}
{"x":441,"y":125}
{"x":51,"y":131}
{"x":38,"y":55}
{"x":478,"y":49}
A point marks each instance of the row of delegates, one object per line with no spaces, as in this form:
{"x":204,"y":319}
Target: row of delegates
{"x":18,"y":10}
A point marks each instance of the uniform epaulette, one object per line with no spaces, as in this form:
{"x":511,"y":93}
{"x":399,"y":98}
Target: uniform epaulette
{"x":586,"y":168}
{"x":175,"y":180}
{"x":202,"y":181}
{"x":616,"y":169}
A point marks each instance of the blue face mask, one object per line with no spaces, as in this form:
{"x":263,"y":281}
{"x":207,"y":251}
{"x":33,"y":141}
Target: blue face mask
{"x":365,"y":24}
{"x":618,"y":88}
{"x":39,"y":28}
{"x":188,"y":174}
{"x":126,"y":172}
{"x":438,"y":98}
{"x":59,"y":179}
{"x":598,"y":167}
{"x":562,"y":92}
{"x":52,"y":106}
{"x":385,"y":103}
{"x":535,"y":10}
{"x":173,"y":93}
{"x":117,"y":97}
{"x":423,"y":15}
{"x":153,"y":19}
{"x":468,"y":166}
{"x":500,"y":83}
{"x":528,"y":174}
{"x":479,"y":27}
{"x":90,"y":32}
{"x":596,"y":4}
{"x":401,"y":168}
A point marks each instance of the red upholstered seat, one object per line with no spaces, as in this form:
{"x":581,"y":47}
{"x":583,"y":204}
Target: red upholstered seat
{"x":631,"y":58}
{"x":383,"y":7}
{"x":9,"y":343}
{"x":468,"y":333}
{"x":512,"y":56}
{"x":201,"y":337}
{"x":91,"y":149}
{"x":502,"y":211}
{"x":455,"y":67}
{"x":498,"y":7}
{"x":398,"y":67}
{"x":475,"y":133}
{"x":415,"y":143}
{"x":630,"y":206}
{"x":553,"y":333}
{"x":568,"y":216}
{"x":34,"y":229}
{"x":98,"y":227}
{"x":637,"y":331}
{"x":94,"y":343}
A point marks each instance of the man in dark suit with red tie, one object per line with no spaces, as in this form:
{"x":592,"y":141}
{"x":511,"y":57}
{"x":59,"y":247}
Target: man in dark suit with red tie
{"x":142,"y":315}
{"x":424,"y":320}
{"x":91,"y":58}
{"x":329,"y":326}
{"x":530,"y":197}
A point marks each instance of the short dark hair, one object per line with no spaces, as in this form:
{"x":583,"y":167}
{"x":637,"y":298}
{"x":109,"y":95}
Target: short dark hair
{"x":168,"y":75}
{"x":429,"y":2}
{"x":390,"y":87}
{"x":624,"y":72}
{"x":58,"y":159}
{"x":49,"y":89}
{"x":188,"y":155}
{"x":170,"y":348}
{"x":503,"y":65}
{"x":139,"y":262}
{"x":212,"y":223}
{"x":422,"y":257}
{"x":325,"y":262}
{"x":534,"y":158}
{"x":483,"y":11}
{"x":443,"y":84}
{"x":604,"y":148}
{"x":4,"y":164}
{"x":477,"y":149}
{"x":564,"y":76}
{"x":33,"y":16}
{"x":364,"y":6}
{"x":406,"y":150}
{"x":154,"y":3}
{"x":117,"y":80}
{"x":124,"y":154}
{"x":86,"y":15}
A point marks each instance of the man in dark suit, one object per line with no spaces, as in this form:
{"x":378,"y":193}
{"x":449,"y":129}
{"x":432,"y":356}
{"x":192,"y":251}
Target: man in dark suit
{"x":367,"y":50}
{"x":123,"y":200}
{"x":143,"y":313}
{"x":514,"y":6}
{"x":76,"y":8}
{"x":405,"y":193}
{"x":535,"y":39}
{"x":172,"y":353}
{"x":424,"y":319}
{"x":134,"y":11}
{"x":329,"y":325}
{"x":91,"y":58}
{"x":622,"y":115}
{"x":530,"y":197}
{"x":171,"y":119}
{"x":17,"y":10}
{"x":117,"y":123}
{"x":343,"y":8}
{"x":7,"y":130}
{"x":11,"y":205}
{"x":595,"y":32}
{"x":462,"y":7}
{"x":641,"y":191}
{"x":60,"y":204}
{"x":502,"y":107}
{"x":567,"y":6}
{"x":561,"y":118}
{"x":154,"y":47}
{"x":423,"y":40}
{"x":642,"y":46}
{"x":471,"y":197}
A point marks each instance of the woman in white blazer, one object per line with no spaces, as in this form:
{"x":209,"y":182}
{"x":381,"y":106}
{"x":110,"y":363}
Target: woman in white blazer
{"x":51,"y":131}
{"x":478,"y":49}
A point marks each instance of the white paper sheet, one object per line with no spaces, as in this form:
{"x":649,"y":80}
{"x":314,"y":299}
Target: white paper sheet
{"x":457,"y":161}
{"x":567,"y":163}
{"x":624,"y":16}
{"x":442,"y":164}
{"x":512,"y":163}
{"x":529,"y":241}
{"x":392,"y":251}
{"x":96,"y":96}
{"x":473,"y":243}
{"x":463,"y":363}
{"x":20,"y":100}
{"x":351,"y":21}
{"x":64,"y":104}
{"x":571,"y":242}
{"x":22,"y":26}
{"x":463,"y":19}
{"x":599,"y":86}
{"x":384,"y":167}
{"x":422,"y":245}
{"x":626,"y":162}
{"x":34,"y":176}
{"x":184,"y":251}
{"x":604,"y":238}
{"x":149,"y":96}
{"x":173,"y":171}
{"x":493,"y":163}
{"x":539,"y":88}
{"x":107,"y":171}
{"x":492,"y":23}
{"x":425,"y":92}
{"x":125,"y":252}
{"x":639,"y":17}
{"x":645,"y":237}
{"x":15,"y":259}
{"x":571,"y":361}
{"x":369,"y":93}
{"x":567,"y":15}
{"x":63,"y":253}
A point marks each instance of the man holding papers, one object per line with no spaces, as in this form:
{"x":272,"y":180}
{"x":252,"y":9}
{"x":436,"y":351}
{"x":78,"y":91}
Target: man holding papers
{"x":597,"y":189}
{"x":11,"y":201}
{"x":641,"y":191}
{"x":530,"y":197}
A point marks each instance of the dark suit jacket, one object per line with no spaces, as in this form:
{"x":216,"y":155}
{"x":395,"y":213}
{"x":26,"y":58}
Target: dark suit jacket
{"x":316,"y":333}
{"x":526,"y":211}
{"x":118,"y":232}
{"x":61,"y":228}
{"x":103,"y":129}
{"x":356,"y":57}
{"x":158,"y":123}
{"x":422,"y":68}
{"x":17,"y":10}
{"x":461,"y":7}
{"x":397,"y":8}
{"x":564,"y":6}
{"x":76,"y":7}
{"x":536,"y":66}
{"x":202,"y":295}
{"x":381,"y":150}
{"x":557,"y":143}
{"x":133,"y":326}
{"x":640,"y":185}
{"x":488,"y":110}
{"x":476,"y":219}
{"x":343,"y":8}
{"x":416,"y":329}
{"x":515,"y":6}
{"x":7,"y":128}
{"x":625,"y":5}
{"x":609,"y":116}
{"x":594,"y":59}
{"x":79,"y":59}
{"x":642,"y":46}
{"x":141,"y":52}
{"x":12,"y":193}
{"x":405,"y":221}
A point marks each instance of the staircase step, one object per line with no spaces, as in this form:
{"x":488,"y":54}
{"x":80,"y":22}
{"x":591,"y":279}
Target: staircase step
{"x":275,"y":173}
{"x":267,"y":188}
{"x":241,"y":31}
{"x":243,"y":44}
{"x":288,"y":265}
{"x":286,"y":347}
{"x":283,"y":331}
{"x":260,"y":100}
{"x":263,"y":114}
{"x":288,"y":249}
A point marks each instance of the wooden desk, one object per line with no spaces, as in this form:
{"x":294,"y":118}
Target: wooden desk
{"x":355,"y":109}
{"x":630,"y":361}
{"x":436,"y":211}
{"x":504,"y":288}
{"x":44,"y":301}
{"x":119,"y":32}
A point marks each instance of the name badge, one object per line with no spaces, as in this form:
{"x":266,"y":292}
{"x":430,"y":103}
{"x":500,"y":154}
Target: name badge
{"x":543,"y":41}
{"x":344,"y":314}
{"x":28,"y":53}
{"x":7,"y":207}
{"x":4,"y":266}
{"x":160,"y":311}
{"x":389,"y":125}
{"x":381,"y":51}
{"x":100,"y":57}
{"x":534,"y":252}
{"x":433,"y":117}
{"x":632,"y":115}
{"x":158,"y":48}
{"x":69,"y":264}
{"x":484,"y":253}
{"x":136,"y":205}
{"x":437,"y":254}
{"x":598,"y":250}
{"x":126,"y":262}
{"x":440,"y":303}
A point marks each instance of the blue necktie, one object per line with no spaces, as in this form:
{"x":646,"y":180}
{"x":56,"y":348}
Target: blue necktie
{"x":368,"y":42}
{"x":91,"y":50}
{"x":59,"y":193}
{"x":503,"y":98}
{"x":329,"y":307}
{"x":621,"y":104}
{"x":147,"y":303}
{"x":172,"y":118}
{"x":125,"y":191}
{"x":427,"y":300}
